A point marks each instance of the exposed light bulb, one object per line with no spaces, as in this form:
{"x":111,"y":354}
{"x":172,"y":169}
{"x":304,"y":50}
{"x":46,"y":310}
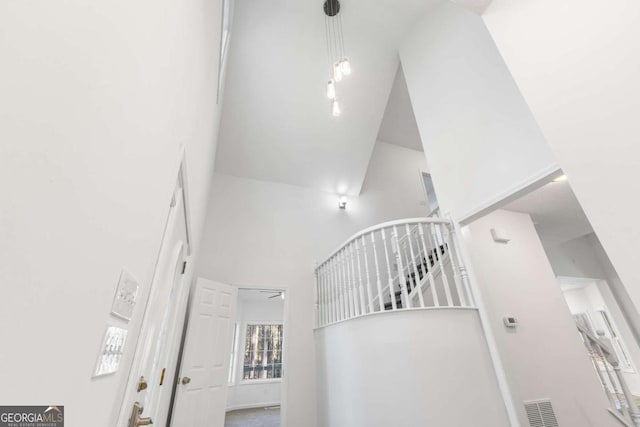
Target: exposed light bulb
{"x":345,"y":66}
{"x":335,"y":108}
{"x":331,"y":90}
{"x":337,"y":71}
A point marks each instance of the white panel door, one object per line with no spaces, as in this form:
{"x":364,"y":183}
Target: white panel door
{"x":156,"y":355}
{"x":201,"y":395}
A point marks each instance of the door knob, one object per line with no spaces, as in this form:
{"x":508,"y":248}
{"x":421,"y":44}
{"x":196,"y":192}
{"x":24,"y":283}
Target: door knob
{"x":186,"y":380}
{"x":135,"y":420}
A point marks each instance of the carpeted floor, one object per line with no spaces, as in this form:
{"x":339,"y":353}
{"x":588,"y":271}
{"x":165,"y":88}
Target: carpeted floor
{"x":259,"y":417}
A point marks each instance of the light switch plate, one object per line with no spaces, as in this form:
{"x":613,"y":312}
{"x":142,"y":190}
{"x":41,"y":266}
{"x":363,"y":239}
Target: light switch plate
{"x":111,"y":351}
{"x":125,"y":299}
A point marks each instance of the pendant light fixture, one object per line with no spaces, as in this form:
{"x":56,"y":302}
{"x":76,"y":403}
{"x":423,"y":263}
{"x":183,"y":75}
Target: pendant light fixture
{"x":339,"y":65}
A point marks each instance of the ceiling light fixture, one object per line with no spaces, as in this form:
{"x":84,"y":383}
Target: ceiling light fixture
{"x":335,"y":108}
{"x":339,"y":65}
{"x":331,"y":90}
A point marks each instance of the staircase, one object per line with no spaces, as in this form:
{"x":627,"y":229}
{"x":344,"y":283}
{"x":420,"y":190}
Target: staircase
{"x":424,"y":268}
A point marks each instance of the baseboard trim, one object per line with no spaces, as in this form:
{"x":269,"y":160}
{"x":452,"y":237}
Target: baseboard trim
{"x":252,"y":406}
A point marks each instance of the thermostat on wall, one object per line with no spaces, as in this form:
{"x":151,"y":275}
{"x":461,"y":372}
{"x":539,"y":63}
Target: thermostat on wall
{"x":510,"y":321}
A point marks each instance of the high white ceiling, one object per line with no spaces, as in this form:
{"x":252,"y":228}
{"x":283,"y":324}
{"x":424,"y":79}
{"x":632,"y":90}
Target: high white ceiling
{"x":399,"y":124}
{"x":276,"y":120}
{"x":555,"y":211}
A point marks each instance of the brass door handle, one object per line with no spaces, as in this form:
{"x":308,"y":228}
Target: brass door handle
{"x":185,"y":380}
{"x":135,"y":420}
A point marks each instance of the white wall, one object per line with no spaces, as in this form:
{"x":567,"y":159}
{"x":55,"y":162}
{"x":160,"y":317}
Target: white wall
{"x":575,"y":258}
{"x":270,"y":235}
{"x":255,"y":393}
{"x":97,"y":99}
{"x":408,"y":368}
{"x":543,"y":357}
{"x":579,"y":76}
{"x":478,"y":134}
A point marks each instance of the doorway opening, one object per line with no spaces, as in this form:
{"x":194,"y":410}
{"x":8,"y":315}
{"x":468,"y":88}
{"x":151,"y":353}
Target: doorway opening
{"x":433,"y":208}
{"x":256,"y":365}
{"x":606,"y":320}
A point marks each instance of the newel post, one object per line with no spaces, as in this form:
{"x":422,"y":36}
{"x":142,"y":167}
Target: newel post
{"x":462,"y":268}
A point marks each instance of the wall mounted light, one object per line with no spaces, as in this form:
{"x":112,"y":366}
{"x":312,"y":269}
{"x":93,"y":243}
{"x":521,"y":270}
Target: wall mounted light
{"x":342,"y":202}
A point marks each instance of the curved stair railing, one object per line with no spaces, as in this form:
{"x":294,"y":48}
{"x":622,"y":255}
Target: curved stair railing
{"x":397,"y":265}
{"x":607,"y":366}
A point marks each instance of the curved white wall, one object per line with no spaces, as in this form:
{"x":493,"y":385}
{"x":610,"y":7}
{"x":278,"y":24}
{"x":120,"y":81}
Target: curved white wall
{"x":423,"y":367}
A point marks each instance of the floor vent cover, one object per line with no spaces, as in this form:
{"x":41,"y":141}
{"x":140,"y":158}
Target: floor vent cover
{"x":540,"y":413}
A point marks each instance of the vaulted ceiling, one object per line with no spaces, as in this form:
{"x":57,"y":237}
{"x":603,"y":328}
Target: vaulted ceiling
{"x":276,"y":120}
{"x":399,"y":124}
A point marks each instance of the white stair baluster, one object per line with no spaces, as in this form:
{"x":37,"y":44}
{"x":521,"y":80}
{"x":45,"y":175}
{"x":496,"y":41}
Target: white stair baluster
{"x":334,"y":293}
{"x":345,"y":284}
{"x":318,"y":310}
{"x":340,"y":285}
{"x":429,"y":268}
{"x":367,"y":274}
{"x":401,"y":273}
{"x":443,"y":273}
{"x":464,"y":274}
{"x":354,"y":281}
{"x":417,"y":279}
{"x":321,"y":302}
{"x":325,"y":284}
{"x":352,"y":301}
{"x":363,"y":307}
{"x":451,"y":249}
{"x":378,"y":281}
{"x":392,"y":290}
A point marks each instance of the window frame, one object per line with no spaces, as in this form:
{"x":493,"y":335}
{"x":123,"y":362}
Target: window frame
{"x":240,"y":354}
{"x":233,"y":360}
{"x":617,"y":341}
{"x":226,"y":20}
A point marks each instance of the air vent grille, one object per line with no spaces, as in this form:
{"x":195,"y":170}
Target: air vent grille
{"x":540,"y":413}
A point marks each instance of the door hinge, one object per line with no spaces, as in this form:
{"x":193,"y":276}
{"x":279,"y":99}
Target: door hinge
{"x":184,"y":267}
